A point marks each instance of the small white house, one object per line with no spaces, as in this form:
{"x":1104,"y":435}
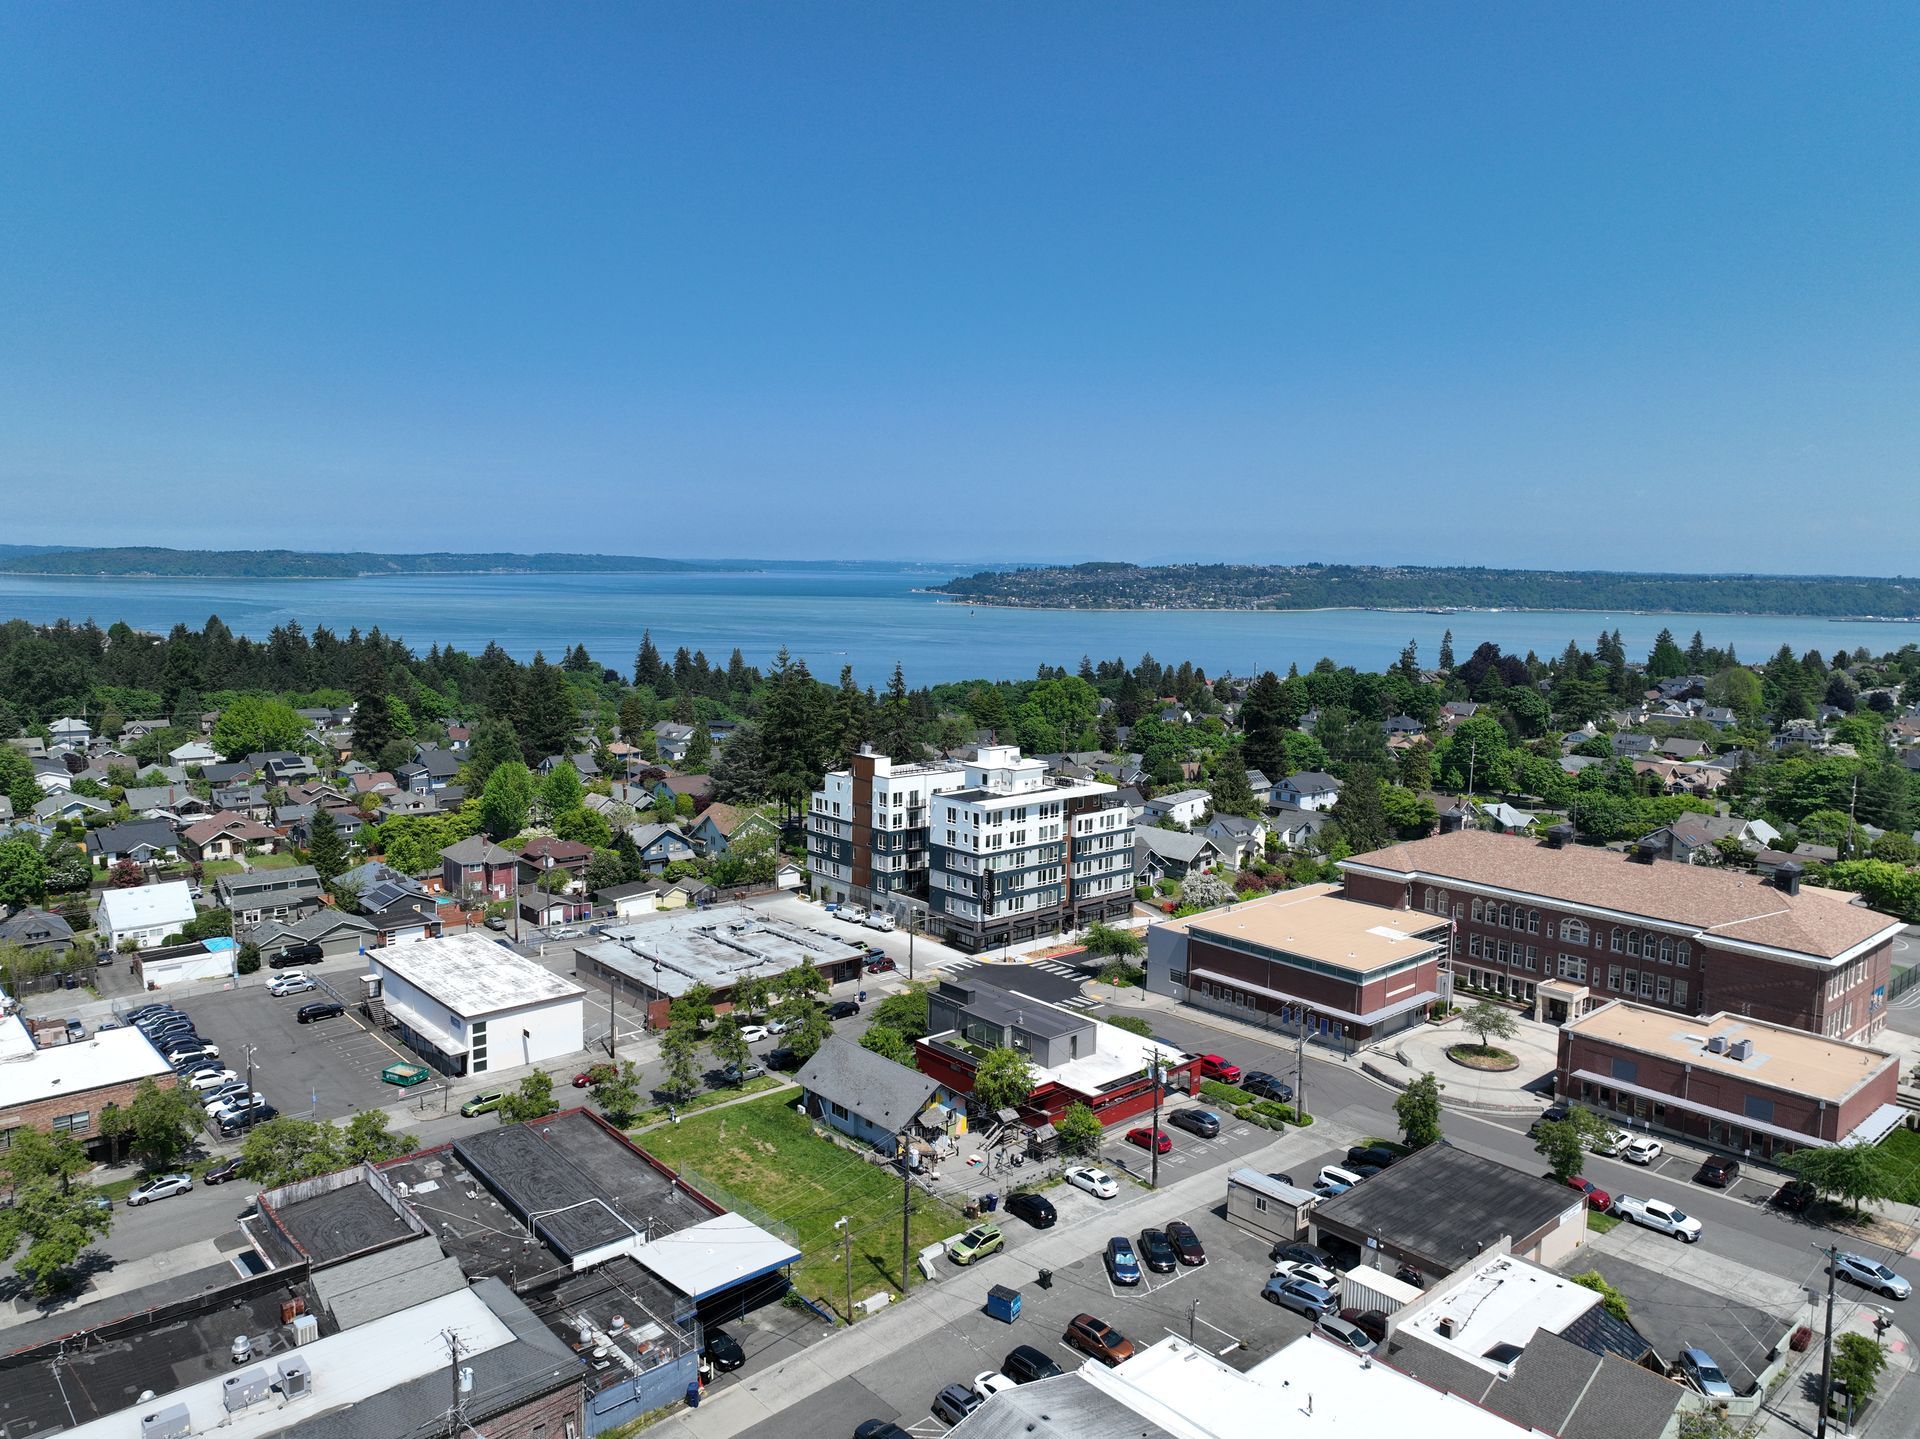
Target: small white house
{"x":194,"y":752}
{"x":185,"y":963}
{"x":469,"y":1006}
{"x":145,"y":914}
{"x":1308,"y":789}
{"x":1185,"y":806}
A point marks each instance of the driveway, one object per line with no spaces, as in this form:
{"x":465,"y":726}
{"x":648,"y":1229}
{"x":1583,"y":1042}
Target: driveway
{"x":329,"y":1070}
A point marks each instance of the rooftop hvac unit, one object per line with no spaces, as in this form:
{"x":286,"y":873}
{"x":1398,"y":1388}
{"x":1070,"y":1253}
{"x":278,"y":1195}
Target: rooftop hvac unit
{"x":1741,"y":1049}
{"x":173,"y":1422}
{"x":1717,"y":1044}
{"x":296,"y":1379}
{"x":306,"y":1328}
{"x":247,"y":1387}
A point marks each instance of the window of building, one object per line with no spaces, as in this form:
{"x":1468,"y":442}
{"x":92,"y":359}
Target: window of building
{"x":1682,"y":953}
{"x":1613,"y":978}
{"x":840,"y":1111}
{"x":1533,"y":921}
{"x":1473,"y":945}
{"x":1476,"y":911}
{"x":1627,"y":1071}
{"x":1572,"y":966}
{"x":1619,"y":941}
{"x":1260,"y":1203}
{"x":1633,"y":984}
{"x":1665,"y":989}
{"x":1573,"y":931}
{"x":1633,"y":943}
{"x":1756,"y":1108}
{"x":72,"y":1123}
{"x":1666,"y":949}
{"x":1680,"y":993}
{"x":1533,"y":957}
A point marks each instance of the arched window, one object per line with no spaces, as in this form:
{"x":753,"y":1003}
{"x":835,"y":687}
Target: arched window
{"x":1683,"y":954}
{"x":1506,"y":916}
{"x":1533,"y":921}
{"x":1573,"y":931}
{"x":1666,"y":949}
{"x":1633,"y":943}
{"x":1476,"y":911}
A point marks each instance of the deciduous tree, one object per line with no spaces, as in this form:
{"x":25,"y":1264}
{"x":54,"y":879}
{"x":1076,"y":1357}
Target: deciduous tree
{"x":1417,"y":1107}
{"x":1003,"y":1079}
{"x":1079,"y":1131}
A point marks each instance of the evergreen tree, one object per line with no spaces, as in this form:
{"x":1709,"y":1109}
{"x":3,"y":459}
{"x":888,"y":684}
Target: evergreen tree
{"x":646,"y":664}
{"x":326,"y":851}
{"x":740,"y":775}
{"x":852,"y":719}
{"x":699,"y":749}
{"x":1697,"y":654}
{"x":1409,"y":666}
{"x":1231,"y":791}
{"x":373,"y":727}
{"x":1446,"y":653}
{"x":494,"y":744}
{"x":1361,"y":814}
{"x":549,"y":717}
{"x":893,"y":725}
{"x":1264,"y":718}
{"x":1667,"y":659}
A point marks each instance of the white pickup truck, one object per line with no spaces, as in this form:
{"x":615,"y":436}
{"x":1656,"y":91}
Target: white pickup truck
{"x":1660,"y":1215}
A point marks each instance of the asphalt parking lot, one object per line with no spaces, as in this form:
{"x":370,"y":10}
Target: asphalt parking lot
{"x":1218,"y":1303}
{"x":330,"y":1069}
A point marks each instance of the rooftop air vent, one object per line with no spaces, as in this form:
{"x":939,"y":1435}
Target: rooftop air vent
{"x":1717,"y":1044}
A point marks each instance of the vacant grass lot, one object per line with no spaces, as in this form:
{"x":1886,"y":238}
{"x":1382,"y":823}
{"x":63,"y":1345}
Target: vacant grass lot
{"x":766,"y":1154}
{"x":1903,"y":1150}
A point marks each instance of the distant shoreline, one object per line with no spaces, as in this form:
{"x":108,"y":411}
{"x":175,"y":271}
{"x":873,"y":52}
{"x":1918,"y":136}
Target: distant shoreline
{"x":1451,"y":612}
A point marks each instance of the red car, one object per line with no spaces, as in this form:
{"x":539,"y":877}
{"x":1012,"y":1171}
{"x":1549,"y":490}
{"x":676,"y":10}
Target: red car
{"x":1212,"y":1066}
{"x":589,"y":1077}
{"x":1155,"y":1139}
{"x":1597,"y":1198}
{"x":880,"y":964}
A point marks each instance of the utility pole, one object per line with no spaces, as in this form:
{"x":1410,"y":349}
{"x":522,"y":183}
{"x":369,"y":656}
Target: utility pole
{"x":1193,"y":1315}
{"x":1826,"y":1350}
{"x":1853,"y":801}
{"x":611,"y":1019}
{"x":457,"y":1412}
{"x":1154,"y":1071}
{"x":1300,"y":1067}
{"x":845,"y":1225}
{"x":906,"y":1217}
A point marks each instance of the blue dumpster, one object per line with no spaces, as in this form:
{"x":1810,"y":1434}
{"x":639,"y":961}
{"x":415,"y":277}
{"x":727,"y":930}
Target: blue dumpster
{"x":1003,"y":1303}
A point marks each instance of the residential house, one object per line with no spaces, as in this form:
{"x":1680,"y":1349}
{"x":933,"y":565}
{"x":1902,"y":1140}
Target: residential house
{"x":1503,"y":818}
{"x":52,"y":775}
{"x":543,"y":910}
{"x":1173,"y":853}
{"x":348,"y":822}
{"x":147,"y":842}
{"x":139,"y":729}
{"x":1294,"y":827}
{"x":145,"y":914}
{"x":459,"y":738}
{"x":194,"y":752}
{"x":259,"y":894}
{"x":1309,"y":789}
{"x":398,"y":917}
{"x":1453,"y":711}
{"x":697,"y":787}
{"x":158,"y":801}
{"x":227,"y":836}
{"x":1683,"y":748}
{"x":868,"y":1097}
{"x":626,"y":901}
{"x":1628,"y":743}
{"x":1693,"y":838}
{"x":1240,"y":840}
{"x":334,"y":930}
{"x":1403,"y":726}
{"x":69,"y":806}
{"x":283,"y":767}
{"x":32,"y":746}
{"x":671,"y":740}
{"x":1261,"y":786}
{"x":431,"y":770}
{"x":248,"y":799}
{"x":37,"y":931}
{"x":660,"y":845}
{"x":73,"y":733}
{"x":543,"y":854}
{"x":721,"y":826}
{"x":478,"y":867}
{"x":1719,"y":716}
{"x":1183,"y":806}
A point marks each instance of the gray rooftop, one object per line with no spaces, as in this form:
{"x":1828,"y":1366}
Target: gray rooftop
{"x":1064,"y":1407}
{"x":868,"y":1084}
{"x":1446,"y":1205}
{"x":1557,"y":1387}
{"x":716,"y":947}
{"x":473,"y":977}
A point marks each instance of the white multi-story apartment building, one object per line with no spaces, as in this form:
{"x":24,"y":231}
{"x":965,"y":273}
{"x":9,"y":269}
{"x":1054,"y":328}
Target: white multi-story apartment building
{"x":867,"y":828}
{"x":1017,"y":853}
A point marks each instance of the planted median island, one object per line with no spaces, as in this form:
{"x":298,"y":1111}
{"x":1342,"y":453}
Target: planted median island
{"x":763,"y":1158}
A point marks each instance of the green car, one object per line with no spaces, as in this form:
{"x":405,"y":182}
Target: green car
{"x":977,"y":1243}
{"x":484,"y":1103}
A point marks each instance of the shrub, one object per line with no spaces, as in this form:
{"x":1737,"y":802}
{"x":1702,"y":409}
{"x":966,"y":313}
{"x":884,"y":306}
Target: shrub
{"x":1224,"y":1093}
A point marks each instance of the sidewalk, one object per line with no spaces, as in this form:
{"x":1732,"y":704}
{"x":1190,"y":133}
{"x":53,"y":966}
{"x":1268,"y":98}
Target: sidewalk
{"x":1406,"y":1056}
{"x":933,"y":1305}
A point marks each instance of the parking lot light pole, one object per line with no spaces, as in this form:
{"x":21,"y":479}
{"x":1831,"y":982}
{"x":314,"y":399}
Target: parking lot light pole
{"x":249,"y":1071}
{"x":1826,"y":1349}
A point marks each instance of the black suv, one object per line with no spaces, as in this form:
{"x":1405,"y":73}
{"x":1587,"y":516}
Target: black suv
{"x":843,"y":1009}
{"x":1266,"y":1086}
{"x":1025,"y":1364}
{"x":1300,"y":1254}
{"x":296,"y":954}
{"x":1720,"y":1170}
{"x":325,"y":1009}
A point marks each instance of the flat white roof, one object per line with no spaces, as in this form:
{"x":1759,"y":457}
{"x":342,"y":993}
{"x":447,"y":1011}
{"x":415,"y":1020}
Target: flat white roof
{"x":147,"y":905}
{"x":347,"y":1367}
{"x":28,"y":1074}
{"x":1313,"y":1386}
{"x":1504,"y":1301}
{"x":715,"y":1254}
{"x":471,"y":976}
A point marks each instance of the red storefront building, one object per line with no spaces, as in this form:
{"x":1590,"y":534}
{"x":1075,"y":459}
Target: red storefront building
{"x":1564,"y":928}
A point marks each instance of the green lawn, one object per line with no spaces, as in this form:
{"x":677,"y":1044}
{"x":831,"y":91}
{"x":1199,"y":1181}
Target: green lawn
{"x":1600,"y":1223}
{"x":1903,"y":1148}
{"x":765,"y":1154}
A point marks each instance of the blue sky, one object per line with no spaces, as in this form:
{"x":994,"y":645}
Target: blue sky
{"x":1621,"y":286}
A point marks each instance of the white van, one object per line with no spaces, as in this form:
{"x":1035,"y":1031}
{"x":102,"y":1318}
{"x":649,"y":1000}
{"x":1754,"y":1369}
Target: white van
{"x":1334,"y":1180}
{"x":878,"y":920}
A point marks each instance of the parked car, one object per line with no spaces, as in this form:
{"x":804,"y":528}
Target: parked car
{"x":843,"y":1009}
{"x":1301,"y":1297}
{"x":1301,"y":1252}
{"x":1186,"y":1244}
{"x":1096,"y":1182}
{"x":880,"y":964}
{"x":783,"y":1058}
{"x":209,"y":1080}
{"x":75,"y":1030}
{"x":724,"y":1351}
{"x":161,"y":1186}
{"x":587,"y":1078}
{"x":1097,"y":1339}
{"x":246,"y":1119}
{"x":1370,"y":1322}
{"x":296,"y":954}
{"x":1796,"y":1196}
{"x":1154,"y":1139}
{"x":1373,"y":1156}
{"x":955,"y":1402}
{"x":977,"y":1243}
{"x":1156,"y":1251}
{"x":484,"y":1103}
{"x":1553,"y":1114}
{"x":1203,"y":1122}
{"x":851,"y":914}
{"x":496,"y":921}
{"x":1311,"y":1273}
{"x":134,"y":1016}
{"x":1123,"y":1265}
{"x":1597,"y":1198}
{"x":1024,"y":1364}
{"x":1268,"y":1086}
{"x":221,"y":1173}
{"x":1334,"y":1180}
{"x":1612,"y":1143}
{"x":754,"y":1033}
{"x":1641,"y":1150}
{"x":735,"y":1074}
{"x":1699,"y":1370}
{"x":324,"y":1009}
{"x":1719,"y":1170}
{"x":214,"y":1100}
{"x":989,"y":1382}
{"x":1036,"y":1209}
{"x":282,"y":985}
{"x":1658,"y":1214}
{"x":1341,"y":1331}
{"x":880,"y":1429}
{"x":224,"y":1112}
{"x":566,"y":931}
{"x":882,"y":922}
{"x":1212,"y":1066}
{"x":1873,"y":1274}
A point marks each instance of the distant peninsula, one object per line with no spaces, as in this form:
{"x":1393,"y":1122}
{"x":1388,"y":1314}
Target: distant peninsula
{"x":148,"y":563}
{"x":1109,"y":585}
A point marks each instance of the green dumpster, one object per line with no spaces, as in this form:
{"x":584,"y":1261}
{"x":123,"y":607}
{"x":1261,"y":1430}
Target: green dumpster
{"x":406,"y":1075}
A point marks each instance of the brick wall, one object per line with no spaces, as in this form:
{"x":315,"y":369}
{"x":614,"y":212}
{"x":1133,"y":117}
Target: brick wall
{"x":41,"y":1113}
{"x":543,"y":1418}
